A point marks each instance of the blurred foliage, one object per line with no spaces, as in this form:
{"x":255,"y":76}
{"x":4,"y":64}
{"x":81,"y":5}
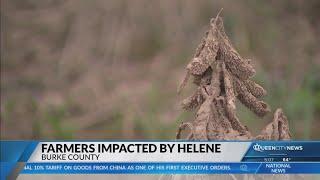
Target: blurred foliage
{"x":109,"y":69}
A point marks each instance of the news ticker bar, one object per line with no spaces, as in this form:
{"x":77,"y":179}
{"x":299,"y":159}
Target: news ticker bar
{"x":160,"y":157}
{"x":171,"y":168}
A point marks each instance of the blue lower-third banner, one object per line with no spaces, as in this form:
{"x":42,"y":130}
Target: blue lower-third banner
{"x":159,"y":157}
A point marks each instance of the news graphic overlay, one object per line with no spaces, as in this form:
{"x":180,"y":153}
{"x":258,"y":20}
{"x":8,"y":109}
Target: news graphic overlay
{"x":160,"y":157}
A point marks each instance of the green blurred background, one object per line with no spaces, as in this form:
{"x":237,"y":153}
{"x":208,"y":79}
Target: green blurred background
{"x":100,"y":69}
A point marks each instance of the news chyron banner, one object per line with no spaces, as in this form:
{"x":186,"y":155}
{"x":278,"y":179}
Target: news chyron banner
{"x":160,"y":157}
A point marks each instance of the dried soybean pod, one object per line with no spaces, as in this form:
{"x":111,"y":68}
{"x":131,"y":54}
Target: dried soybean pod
{"x":193,"y":101}
{"x":258,"y":107}
{"x":255,"y":89}
{"x":238,"y":66}
{"x":211,"y":47}
{"x":206,"y":57}
{"x":192,"y":63}
{"x":206,"y":52}
{"x":197,"y":66}
{"x":235,"y":63}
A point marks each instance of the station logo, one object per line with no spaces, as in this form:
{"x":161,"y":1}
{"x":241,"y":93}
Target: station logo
{"x":262,"y":148}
